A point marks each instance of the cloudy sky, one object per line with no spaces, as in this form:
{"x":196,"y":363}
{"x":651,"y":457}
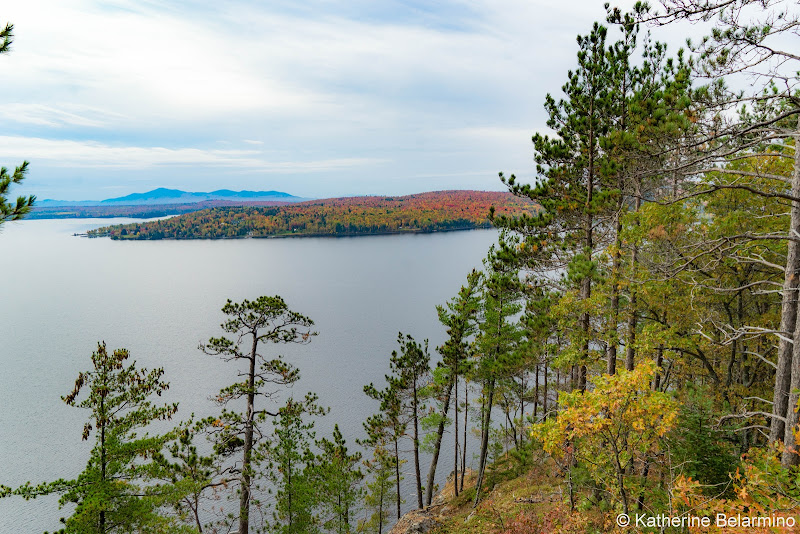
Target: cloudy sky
{"x":317,"y":98}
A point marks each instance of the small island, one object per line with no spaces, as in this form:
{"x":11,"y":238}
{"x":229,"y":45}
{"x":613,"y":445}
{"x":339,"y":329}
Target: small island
{"x":351,"y":216}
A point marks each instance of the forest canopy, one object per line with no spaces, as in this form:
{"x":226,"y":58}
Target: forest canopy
{"x":425,"y":212}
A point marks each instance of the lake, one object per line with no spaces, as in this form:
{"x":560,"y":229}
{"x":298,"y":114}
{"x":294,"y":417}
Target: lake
{"x":160,"y":299}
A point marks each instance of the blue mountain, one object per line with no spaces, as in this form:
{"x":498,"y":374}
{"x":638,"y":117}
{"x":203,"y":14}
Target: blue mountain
{"x":162,"y":195}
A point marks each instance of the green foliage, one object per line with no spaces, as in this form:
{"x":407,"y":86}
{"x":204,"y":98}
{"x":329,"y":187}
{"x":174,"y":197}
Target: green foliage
{"x":380,"y":491}
{"x":410,"y":375}
{"x":336,"y":479}
{"x":252,"y":323}
{"x":401,"y":406}
{"x":113,"y":493}
{"x":12,"y":211}
{"x":189,"y":479}
{"x":703,"y":452}
{"x":459,"y":316}
{"x":499,"y":334}
{"x":291,"y":467}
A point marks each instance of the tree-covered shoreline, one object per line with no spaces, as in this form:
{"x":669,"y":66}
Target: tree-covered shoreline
{"x":339,"y":217}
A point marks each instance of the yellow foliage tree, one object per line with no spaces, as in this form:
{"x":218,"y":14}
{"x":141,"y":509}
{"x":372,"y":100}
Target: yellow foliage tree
{"x":612,"y":428}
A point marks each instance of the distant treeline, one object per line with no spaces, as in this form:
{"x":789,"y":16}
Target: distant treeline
{"x":141,"y":211}
{"x":425,"y":212}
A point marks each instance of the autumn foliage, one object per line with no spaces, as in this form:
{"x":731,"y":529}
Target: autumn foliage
{"x":425,"y":212}
{"x":615,"y":429}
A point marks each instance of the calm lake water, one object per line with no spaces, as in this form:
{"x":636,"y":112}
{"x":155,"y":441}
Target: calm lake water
{"x":159,"y":299}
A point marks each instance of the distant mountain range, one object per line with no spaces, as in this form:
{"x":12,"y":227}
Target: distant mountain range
{"x":163,"y":195}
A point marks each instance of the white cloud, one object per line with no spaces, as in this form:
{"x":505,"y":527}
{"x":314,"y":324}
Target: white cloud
{"x":67,"y":115}
{"x":156,"y":62}
{"x":444,"y":88}
{"x":89,"y":154}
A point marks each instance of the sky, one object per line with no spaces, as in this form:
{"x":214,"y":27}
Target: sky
{"x":320,"y":98}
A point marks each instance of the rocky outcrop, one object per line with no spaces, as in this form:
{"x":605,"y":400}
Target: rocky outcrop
{"x":416,"y":522}
{"x":422,"y":521}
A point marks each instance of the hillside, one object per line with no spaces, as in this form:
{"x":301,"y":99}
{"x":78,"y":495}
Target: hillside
{"x":525,"y":495}
{"x":162,"y":195}
{"x":424,"y":212}
{"x":159,"y":202}
{"x":141,"y":211}
{"x":176,"y":196}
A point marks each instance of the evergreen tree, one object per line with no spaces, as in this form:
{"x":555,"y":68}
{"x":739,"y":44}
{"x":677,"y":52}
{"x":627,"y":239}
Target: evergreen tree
{"x":498,"y":339}
{"x":575,"y":196}
{"x":12,"y":211}
{"x":380,"y":490}
{"x":336,"y":479}
{"x":112,"y":494}
{"x":410,"y":374}
{"x":459,"y":316}
{"x":751,"y":37}
{"x":291,"y":464}
{"x":264,"y":320}
{"x":385,"y":429}
{"x":189,"y":478}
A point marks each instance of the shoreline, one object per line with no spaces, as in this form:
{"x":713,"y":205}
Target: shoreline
{"x":488,"y":226}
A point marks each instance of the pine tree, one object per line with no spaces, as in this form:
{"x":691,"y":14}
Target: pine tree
{"x":112,"y":494}
{"x":498,"y":339}
{"x":459,"y":316}
{"x":751,"y":37}
{"x":264,"y":320}
{"x":336,"y":479}
{"x":291,"y":465}
{"x":187,"y":477}
{"x":380,"y":492}
{"x":386,"y":429}
{"x":575,"y":196}
{"x":12,"y":211}
{"x":411,"y":372}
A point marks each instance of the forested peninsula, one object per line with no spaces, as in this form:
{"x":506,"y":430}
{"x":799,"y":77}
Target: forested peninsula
{"x":425,"y":212}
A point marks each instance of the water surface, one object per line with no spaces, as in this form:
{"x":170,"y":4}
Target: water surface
{"x":159,"y":299}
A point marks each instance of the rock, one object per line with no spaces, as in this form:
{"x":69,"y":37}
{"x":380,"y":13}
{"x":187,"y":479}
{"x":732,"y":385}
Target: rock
{"x":421,"y":521}
{"x":416,"y":522}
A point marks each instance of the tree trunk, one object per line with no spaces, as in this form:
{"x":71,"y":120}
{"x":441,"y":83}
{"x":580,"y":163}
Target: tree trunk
{"x":630,"y":351}
{"x":437,"y":447}
{"x":791,"y":282}
{"x":645,"y":472}
{"x":103,"y":459}
{"x":244,"y":493}
{"x":586,"y":293}
{"x":621,"y":483}
{"x":484,"y":441}
{"x":586,"y":283}
{"x":790,"y":455}
{"x":416,"y":449}
{"x":380,"y":509}
{"x":455,"y":436}
{"x":464,"y":449}
{"x":544,"y":398}
{"x":397,"y":473}
{"x":536,"y":395}
{"x":611,"y":353}
{"x":659,"y":362}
